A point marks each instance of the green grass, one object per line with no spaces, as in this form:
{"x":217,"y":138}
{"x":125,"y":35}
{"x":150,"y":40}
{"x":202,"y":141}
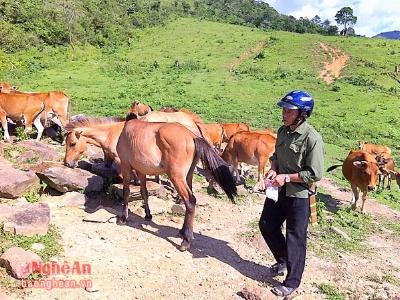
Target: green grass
{"x":50,"y":241}
{"x":194,"y":64}
{"x":331,"y":292}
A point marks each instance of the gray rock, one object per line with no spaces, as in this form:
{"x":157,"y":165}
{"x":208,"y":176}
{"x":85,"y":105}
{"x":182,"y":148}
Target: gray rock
{"x":28,"y":219}
{"x":65,"y":179}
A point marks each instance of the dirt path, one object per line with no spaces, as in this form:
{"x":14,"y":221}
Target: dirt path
{"x":246,"y":54}
{"x":141,"y":260}
{"x":335,"y":62}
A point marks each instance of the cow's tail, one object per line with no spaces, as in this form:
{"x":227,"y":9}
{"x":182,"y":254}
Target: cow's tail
{"x":218,"y":167}
{"x":333,"y":167}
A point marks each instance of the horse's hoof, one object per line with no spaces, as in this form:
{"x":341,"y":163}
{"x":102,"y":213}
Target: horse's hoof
{"x":353,"y":206}
{"x":185,"y":246}
{"x":148,"y":218}
{"x":121,"y":220}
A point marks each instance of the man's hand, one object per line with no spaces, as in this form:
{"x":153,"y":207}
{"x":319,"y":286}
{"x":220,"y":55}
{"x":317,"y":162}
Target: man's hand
{"x":271,"y":174}
{"x":279,"y":180}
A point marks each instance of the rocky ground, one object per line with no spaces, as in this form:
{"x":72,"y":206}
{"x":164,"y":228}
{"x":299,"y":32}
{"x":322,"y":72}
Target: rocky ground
{"x":228,"y":258}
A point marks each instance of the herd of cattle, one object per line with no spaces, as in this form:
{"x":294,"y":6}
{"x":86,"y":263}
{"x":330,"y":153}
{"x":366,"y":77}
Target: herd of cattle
{"x":365,"y":168}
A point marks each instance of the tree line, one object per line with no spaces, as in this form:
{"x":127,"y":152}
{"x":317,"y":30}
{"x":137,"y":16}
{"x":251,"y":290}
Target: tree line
{"x":30,"y":23}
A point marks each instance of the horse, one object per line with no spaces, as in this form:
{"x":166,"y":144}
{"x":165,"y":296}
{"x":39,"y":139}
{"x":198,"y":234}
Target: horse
{"x":252,"y":148}
{"x":172,"y":149}
{"x":157,"y":116}
{"x":140,"y":109}
{"x":102,"y":132}
{"x":195,"y":117}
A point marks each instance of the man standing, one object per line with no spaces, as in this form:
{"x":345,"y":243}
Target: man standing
{"x":295,"y":165}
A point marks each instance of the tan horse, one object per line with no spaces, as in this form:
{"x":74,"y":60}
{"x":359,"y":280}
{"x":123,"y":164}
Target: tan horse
{"x":172,"y":149}
{"x":140,"y":109}
{"x":157,"y":116}
{"x":252,"y":148}
{"x":102,"y":132}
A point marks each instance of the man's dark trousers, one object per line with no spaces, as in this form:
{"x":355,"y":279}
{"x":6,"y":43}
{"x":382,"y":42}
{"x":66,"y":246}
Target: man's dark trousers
{"x":292,"y":250}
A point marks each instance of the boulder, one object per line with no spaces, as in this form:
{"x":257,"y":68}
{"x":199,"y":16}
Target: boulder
{"x":18,"y":262}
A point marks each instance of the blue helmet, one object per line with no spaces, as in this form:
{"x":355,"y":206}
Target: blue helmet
{"x":298,"y":100}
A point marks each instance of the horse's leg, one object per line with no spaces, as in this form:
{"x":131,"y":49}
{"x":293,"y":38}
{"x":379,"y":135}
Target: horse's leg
{"x":126,"y":179}
{"x":190,"y":203}
{"x":145,"y":195}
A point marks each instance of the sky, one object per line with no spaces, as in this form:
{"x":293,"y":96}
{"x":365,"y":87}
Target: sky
{"x":373,"y":16}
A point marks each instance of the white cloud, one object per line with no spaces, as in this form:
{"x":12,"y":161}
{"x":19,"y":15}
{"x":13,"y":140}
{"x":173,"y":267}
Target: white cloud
{"x":374,"y":16}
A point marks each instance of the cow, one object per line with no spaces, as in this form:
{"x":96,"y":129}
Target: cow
{"x":374,"y":149}
{"x":361,"y":169}
{"x":212,"y":133}
{"x":7,"y":88}
{"x":18,"y":107}
{"x":56,"y":103}
{"x":386,"y":166}
{"x":252,"y":148}
{"x":232,"y":128}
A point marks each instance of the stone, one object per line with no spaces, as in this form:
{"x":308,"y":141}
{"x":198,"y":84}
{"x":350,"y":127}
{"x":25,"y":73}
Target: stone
{"x":17,"y":262}
{"x":153,"y":188}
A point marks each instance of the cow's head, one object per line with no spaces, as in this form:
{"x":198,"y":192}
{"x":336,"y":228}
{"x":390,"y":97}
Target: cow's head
{"x":368,"y":173}
{"x":6,"y":88}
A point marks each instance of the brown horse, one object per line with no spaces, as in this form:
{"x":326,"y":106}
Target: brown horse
{"x":213,"y":133}
{"x":195,"y":117}
{"x":178,"y":117}
{"x":172,"y":149}
{"x":139,"y":109}
{"x":102,"y":132}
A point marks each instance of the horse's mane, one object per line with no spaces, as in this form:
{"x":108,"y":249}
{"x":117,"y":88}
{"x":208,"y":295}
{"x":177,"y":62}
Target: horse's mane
{"x":84,"y":121}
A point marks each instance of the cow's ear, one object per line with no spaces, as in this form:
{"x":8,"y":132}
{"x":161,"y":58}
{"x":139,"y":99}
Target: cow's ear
{"x":361,"y":164}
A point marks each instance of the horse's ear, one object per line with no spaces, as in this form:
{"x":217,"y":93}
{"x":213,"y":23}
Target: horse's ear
{"x":14,"y":88}
{"x":78,"y":133}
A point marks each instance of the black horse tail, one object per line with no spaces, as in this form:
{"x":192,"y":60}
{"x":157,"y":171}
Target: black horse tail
{"x":333,"y":167}
{"x":218,"y":167}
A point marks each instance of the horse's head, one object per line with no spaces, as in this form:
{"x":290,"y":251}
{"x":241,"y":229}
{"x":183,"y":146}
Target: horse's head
{"x":75,"y":145}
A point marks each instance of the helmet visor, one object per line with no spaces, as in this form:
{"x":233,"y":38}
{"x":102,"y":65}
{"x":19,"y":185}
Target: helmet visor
{"x":286,"y":105}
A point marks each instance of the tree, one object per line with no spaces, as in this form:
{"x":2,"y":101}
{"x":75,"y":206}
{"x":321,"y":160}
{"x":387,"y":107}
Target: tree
{"x":345,"y":17}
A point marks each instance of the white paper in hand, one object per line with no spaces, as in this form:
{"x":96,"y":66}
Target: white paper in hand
{"x":271,"y":191}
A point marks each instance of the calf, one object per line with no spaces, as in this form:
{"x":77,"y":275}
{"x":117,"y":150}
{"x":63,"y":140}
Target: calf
{"x":373,"y":149}
{"x":252,"y":148}
{"x":386,"y":166}
{"x":360,"y":168}
{"x":232,"y":128}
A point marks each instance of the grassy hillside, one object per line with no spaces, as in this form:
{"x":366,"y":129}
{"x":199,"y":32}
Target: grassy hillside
{"x":212,"y":69}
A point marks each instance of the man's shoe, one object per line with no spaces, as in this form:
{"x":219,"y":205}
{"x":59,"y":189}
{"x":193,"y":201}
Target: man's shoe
{"x":278,"y":269}
{"x":283,"y":291}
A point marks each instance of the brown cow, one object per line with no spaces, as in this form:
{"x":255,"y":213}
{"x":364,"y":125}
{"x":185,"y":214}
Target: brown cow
{"x":360,"y":168}
{"x":56,"y":103}
{"x":231,"y":128}
{"x":18,"y":107}
{"x":374,"y":149}
{"x":7,"y":88}
{"x":252,"y":148}
{"x":212,"y":133}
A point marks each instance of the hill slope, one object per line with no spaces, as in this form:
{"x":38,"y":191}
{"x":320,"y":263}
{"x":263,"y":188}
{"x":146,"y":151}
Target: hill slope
{"x":222,"y":72}
{"x":392,"y":35}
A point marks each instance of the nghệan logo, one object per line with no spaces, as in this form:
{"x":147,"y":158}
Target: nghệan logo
{"x":54,"y":268}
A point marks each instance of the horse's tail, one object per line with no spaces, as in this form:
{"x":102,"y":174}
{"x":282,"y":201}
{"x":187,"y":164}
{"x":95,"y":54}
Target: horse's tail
{"x":218,"y":167}
{"x":333,"y":167}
